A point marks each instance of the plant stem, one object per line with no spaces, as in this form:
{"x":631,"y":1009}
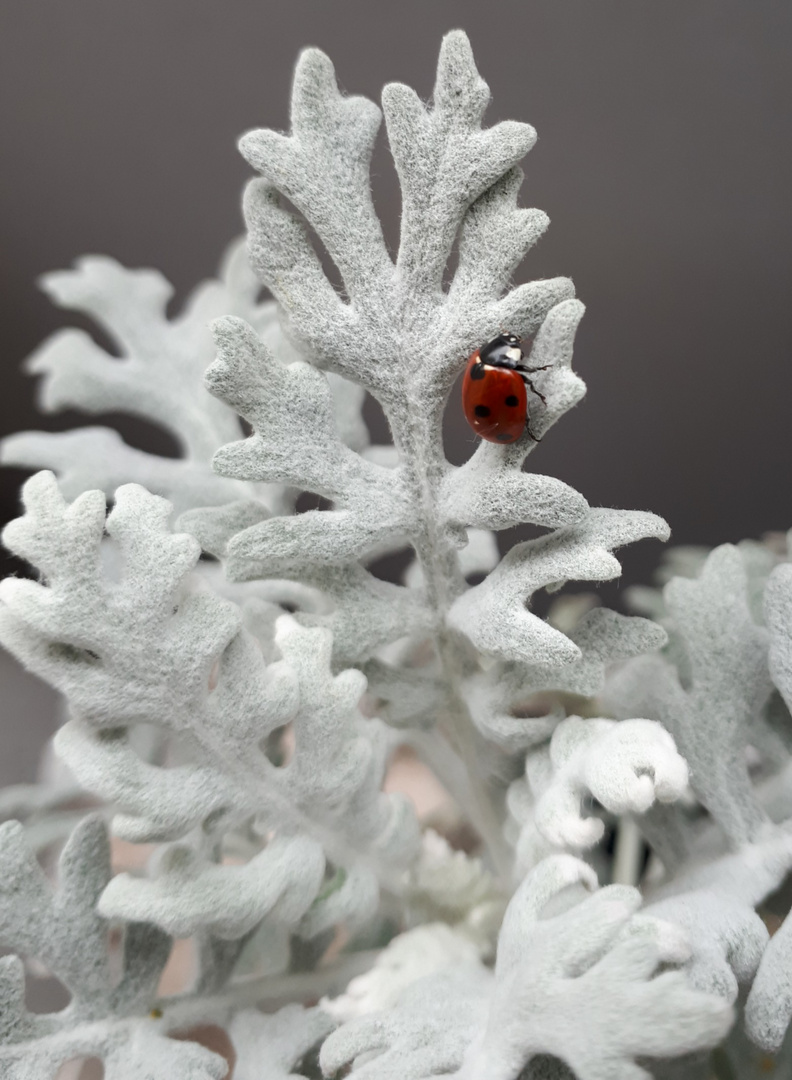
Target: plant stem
{"x":627,"y":856}
{"x":418,"y":429}
{"x":269,"y":991}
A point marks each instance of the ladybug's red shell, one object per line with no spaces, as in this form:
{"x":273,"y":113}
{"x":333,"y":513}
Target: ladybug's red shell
{"x":495,"y":401}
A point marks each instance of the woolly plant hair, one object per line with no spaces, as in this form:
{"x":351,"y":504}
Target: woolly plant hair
{"x":238,"y":680}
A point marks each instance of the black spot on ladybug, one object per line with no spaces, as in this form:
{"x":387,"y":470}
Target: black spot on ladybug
{"x":512,"y":400}
{"x":477,"y":371}
{"x":482,"y":410}
{"x":503,"y":437}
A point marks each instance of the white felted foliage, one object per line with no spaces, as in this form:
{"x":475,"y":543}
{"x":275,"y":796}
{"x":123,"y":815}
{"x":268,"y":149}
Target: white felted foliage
{"x":601,"y":637}
{"x":714,"y":900}
{"x":581,"y":985}
{"x":411,"y":956}
{"x":404,"y":336}
{"x":624,"y":766}
{"x":49,"y":808}
{"x":158,"y":376}
{"x":450,"y":885}
{"x":724,"y":689}
{"x":269,"y":1047}
{"x":249,"y":748}
{"x":712,"y":700}
{"x":400,"y":335}
{"x":769,"y":1007}
{"x":105,"y":1018}
{"x":142,"y":649}
{"x":108,"y":1017}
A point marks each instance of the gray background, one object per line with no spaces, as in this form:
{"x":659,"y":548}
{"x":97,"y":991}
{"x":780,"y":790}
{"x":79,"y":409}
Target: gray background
{"x":664,"y":161}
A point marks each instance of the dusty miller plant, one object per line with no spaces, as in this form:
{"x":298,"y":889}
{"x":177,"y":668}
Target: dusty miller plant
{"x":237,"y":679}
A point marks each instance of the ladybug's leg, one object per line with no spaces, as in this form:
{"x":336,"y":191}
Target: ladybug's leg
{"x":530,"y":433}
{"x":533,"y":389}
{"x":531,"y":370}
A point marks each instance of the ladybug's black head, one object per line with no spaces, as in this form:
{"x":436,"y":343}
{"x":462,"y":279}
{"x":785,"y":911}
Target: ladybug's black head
{"x":502,"y":351}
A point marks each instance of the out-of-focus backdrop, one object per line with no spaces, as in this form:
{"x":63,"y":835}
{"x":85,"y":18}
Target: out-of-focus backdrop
{"x":664,"y":161}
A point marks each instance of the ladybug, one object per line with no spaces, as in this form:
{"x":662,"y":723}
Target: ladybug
{"x":494,"y":396}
